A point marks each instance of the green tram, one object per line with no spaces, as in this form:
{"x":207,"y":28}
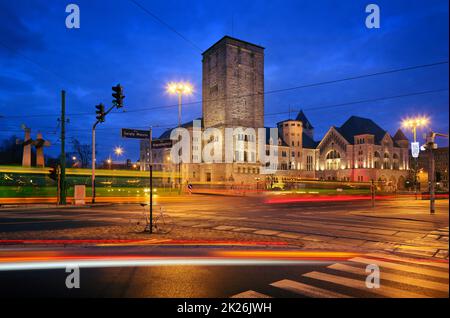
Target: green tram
{"x":17,"y":181}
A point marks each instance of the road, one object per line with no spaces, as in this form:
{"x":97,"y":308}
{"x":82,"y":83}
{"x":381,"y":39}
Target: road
{"x":237,"y":246}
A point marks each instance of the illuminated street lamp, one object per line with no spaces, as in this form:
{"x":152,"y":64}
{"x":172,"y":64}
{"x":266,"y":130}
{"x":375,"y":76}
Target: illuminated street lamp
{"x":414,"y":123}
{"x":109,"y":162}
{"x":180,"y":89}
{"x":118,"y":151}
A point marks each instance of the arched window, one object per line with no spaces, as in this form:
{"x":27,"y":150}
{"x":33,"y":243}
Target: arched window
{"x":333,"y":160}
{"x":376,"y":160}
{"x":386,"y":155}
{"x":395,"y":161}
{"x":333,"y":154}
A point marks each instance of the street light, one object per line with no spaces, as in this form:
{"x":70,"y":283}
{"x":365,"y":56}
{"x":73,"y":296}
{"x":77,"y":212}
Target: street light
{"x":413,"y":124}
{"x":180,"y":89}
{"x":118,"y":151}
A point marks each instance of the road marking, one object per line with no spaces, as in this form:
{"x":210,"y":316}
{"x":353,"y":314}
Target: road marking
{"x":250,"y":294}
{"x":223,"y":227}
{"x":306,"y":290}
{"x":266,"y":232}
{"x":400,"y":267}
{"x":397,"y":258}
{"x":289,"y":235}
{"x":244,"y":229}
{"x":403,"y":279}
{"x":361,"y":285}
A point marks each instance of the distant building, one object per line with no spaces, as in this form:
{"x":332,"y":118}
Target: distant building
{"x":440,"y":165}
{"x":233,"y":86}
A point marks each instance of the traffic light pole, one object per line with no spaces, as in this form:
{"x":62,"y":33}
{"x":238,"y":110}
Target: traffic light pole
{"x":430,"y":146}
{"x":93,"y":161}
{"x":431,"y":173}
{"x":93,"y":153}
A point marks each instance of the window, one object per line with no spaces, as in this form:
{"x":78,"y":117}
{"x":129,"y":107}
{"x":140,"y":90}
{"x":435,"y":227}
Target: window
{"x":333,"y":160}
{"x":309,"y":163}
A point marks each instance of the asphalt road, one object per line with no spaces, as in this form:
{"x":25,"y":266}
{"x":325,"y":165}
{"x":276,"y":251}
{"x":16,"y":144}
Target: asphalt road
{"x":405,"y":226}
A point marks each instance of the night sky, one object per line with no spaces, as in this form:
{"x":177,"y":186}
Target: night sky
{"x":306,"y":42}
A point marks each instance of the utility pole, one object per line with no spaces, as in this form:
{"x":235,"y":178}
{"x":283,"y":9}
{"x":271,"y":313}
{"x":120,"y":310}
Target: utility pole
{"x":63,"y":192}
{"x":431,"y":179}
{"x":430,"y":146}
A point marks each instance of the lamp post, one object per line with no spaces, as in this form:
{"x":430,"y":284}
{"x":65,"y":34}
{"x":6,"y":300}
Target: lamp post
{"x":414,"y":124}
{"x":179,"y":89}
{"x":118,"y":151}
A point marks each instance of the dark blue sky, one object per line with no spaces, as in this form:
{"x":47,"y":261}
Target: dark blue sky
{"x":305,"y":41}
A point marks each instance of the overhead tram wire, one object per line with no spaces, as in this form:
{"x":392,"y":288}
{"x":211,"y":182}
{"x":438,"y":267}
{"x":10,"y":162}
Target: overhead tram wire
{"x":154,"y":16}
{"x":34,"y":62}
{"x":351,"y":78}
{"x":362,"y":101}
{"x":312,"y":108}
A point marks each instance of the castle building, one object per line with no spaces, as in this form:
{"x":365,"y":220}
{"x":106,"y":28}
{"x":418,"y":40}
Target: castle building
{"x":233,"y":96}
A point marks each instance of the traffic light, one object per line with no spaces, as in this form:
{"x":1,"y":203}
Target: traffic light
{"x":100,"y":112}
{"x":53,"y":174}
{"x":118,"y":96}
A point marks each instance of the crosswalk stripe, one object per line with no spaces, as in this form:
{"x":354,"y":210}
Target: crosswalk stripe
{"x":393,"y":277}
{"x":400,"y":267}
{"x":443,"y":265}
{"x":306,"y":290}
{"x":361,"y":285}
{"x":250,"y":294}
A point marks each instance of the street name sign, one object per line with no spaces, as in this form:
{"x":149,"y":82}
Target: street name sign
{"x":135,"y":133}
{"x":161,"y":143}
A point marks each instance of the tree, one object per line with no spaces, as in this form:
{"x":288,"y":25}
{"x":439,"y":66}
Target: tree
{"x":83,"y":152}
{"x":11,"y":152}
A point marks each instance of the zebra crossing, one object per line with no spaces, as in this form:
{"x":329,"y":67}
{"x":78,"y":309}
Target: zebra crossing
{"x":400,"y":277}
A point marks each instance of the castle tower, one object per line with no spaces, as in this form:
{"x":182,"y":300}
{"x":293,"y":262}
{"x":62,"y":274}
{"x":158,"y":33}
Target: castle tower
{"x":233,"y":84}
{"x":307,"y":127}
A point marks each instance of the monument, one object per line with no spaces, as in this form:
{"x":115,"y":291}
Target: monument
{"x":39,"y":144}
{"x":26,"y":143}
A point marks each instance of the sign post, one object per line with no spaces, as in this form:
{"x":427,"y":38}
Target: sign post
{"x":151,"y":181}
{"x":144,"y":134}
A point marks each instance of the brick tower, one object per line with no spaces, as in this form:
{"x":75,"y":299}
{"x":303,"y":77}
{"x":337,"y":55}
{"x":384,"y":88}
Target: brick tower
{"x":233,"y":84}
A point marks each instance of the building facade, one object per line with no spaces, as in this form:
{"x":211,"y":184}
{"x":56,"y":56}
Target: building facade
{"x":233,"y":97}
{"x":440,"y":166}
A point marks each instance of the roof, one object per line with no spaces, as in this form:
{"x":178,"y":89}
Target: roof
{"x":166,"y":134}
{"x":227,"y":38}
{"x":268,"y":138}
{"x":302,"y":117}
{"x":308,"y":142}
{"x":359,"y":126}
{"x":399,"y":135}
